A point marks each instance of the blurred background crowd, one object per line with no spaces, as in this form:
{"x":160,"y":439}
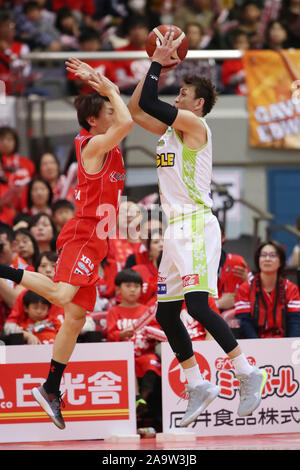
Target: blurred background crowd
{"x":123,"y":25}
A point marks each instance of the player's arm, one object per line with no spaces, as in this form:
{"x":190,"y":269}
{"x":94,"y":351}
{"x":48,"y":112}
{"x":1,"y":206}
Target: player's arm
{"x":123,"y":122}
{"x":141,"y":117}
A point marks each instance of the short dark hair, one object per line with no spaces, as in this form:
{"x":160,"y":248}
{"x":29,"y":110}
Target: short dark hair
{"x":280,"y":251}
{"x":31,"y":297}
{"x":5,"y":228}
{"x":128,"y":275}
{"x":62,"y":203}
{"x":4,"y":130}
{"x":204,"y":88}
{"x":88,"y":105}
{"x":88,"y":34}
{"x":50,"y":255}
{"x":29,"y":6}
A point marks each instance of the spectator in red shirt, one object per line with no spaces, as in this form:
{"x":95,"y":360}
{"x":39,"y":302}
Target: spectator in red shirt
{"x":44,"y":231}
{"x":233,"y":72}
{"x":14,"y":71}
{"x":85,"y":7}
{"x":127,"y":240}
{"x":269,"y":305}
{"x":149,"y":270}
{"x":130,"y":72}
{"x":233,"y":271}
{"x":121,"y":326}
{"x":48,"y":168}
{"x":44,"y":265}
{"x":39,"y":197}
{"x":89,"y":41}
{"x":26,"y":246}
{"x":17,"y":171}
{"x":38,"y":326}
{"x":9,"y":291}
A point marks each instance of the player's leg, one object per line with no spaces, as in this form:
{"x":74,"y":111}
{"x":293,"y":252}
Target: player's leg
{"x":252,"y":379}
{"x":48,"y":395}
{"x":58,"y":293}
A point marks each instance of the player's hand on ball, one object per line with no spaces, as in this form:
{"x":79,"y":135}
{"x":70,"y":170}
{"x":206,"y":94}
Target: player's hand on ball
{"x":164,"y":51}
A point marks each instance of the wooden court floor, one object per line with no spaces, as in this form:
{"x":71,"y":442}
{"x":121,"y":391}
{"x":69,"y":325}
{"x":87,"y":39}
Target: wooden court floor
{"x":252,"y":442}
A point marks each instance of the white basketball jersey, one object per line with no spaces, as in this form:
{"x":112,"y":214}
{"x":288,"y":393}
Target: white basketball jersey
{"x":184,"y":174}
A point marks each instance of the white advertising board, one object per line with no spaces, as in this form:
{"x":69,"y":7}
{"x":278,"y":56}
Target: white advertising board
{"x":279,"y":411}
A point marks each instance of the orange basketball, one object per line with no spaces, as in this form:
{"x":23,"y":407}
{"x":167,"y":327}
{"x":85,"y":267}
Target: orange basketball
{"x":158,"y":33}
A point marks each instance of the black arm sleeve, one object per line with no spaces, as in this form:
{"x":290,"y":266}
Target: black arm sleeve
{"x":149,"y":101}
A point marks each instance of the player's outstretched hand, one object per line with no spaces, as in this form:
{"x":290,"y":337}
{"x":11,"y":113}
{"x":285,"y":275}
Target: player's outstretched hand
{"x":102,"y":84}
{"x":80,"y":69}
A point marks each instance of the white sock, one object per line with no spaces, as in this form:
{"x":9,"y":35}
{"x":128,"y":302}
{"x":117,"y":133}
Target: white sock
{"x":193,"y":376}
{"x":242,"y":365}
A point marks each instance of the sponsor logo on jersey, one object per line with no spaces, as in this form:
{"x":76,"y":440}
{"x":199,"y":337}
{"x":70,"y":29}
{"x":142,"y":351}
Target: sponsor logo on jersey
{"x":190,"y":280}
{"x":165,"y":160}
{"x":162,"y":289}
{"x":115,"y":177}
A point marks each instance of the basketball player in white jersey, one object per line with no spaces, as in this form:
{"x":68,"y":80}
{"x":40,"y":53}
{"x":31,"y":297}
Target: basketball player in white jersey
{"x":192,"y":241}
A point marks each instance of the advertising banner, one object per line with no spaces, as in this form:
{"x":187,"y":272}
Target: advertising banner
{"x":279,"y":411}
{"x":273,"y":80}
{"x":97,"y":386}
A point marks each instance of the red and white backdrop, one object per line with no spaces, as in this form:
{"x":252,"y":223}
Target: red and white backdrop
{"x":279,"y":411}
{"x":98,"y":386}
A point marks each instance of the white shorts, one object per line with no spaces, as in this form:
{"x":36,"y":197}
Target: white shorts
{"x":191,"y":256}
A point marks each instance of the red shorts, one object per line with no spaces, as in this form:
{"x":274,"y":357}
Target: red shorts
{"x":148,"y":361}
{"x":80,"y":252}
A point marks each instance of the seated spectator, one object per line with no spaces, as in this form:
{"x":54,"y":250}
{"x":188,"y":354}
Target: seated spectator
{"x":249,"y":23}
{"x":149,"y":270}
{"x":14,"y":71}
{"x":106,"y":289}
{"x":44,"y":231}
{"x":194,"y":11}
{"x":290,"y":17}
{"x":275,"y":36}
{"x":130,"y":72}
{"x":36,"y":31}
{"x":68,"y":26}
{"x":233,"y":271}
{"x":44,"y":265}
{"x":127,"y":240}
{"x":84,"y":9}
{"x":121,"y":322}
{"x":62,"y":211}
{"x":269,"y":305}
{"x":39,"y":197}
{"x":233,"y":73}
{"x":143,"y":8}
{"x":26,"y":246}
{"x":17,"y":171}
{"x":49,"y":169}
{"x":38,"y":326}
{"x":89,"y":41}
{"x":8,"y":256}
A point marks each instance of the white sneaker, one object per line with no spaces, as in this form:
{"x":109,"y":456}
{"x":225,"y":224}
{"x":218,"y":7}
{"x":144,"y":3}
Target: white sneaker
{"x":199,"y":398}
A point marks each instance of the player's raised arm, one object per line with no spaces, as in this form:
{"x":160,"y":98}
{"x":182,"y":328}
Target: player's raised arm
{"x":115,"y":122}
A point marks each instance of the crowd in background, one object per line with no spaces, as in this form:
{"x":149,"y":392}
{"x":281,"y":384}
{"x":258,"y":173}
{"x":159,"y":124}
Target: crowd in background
{"x":36,"y":200}
{"x":123,"y":25}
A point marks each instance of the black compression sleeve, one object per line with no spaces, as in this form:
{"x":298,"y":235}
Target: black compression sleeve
{"x":149,"y":101}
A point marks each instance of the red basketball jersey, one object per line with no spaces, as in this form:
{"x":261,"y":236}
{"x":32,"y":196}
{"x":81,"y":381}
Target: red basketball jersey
{"x":99,"y":192}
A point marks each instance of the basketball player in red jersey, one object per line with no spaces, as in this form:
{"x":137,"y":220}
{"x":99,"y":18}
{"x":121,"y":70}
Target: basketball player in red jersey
{"x":82,"y":243}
